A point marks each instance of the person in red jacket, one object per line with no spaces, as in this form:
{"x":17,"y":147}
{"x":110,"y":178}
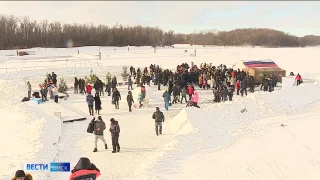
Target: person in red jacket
{"x":238,"y":86}
{"x":298,"y":79}
{"x":233,"y":74}
{"x":88,"y":88}
{"x":190,"y":92}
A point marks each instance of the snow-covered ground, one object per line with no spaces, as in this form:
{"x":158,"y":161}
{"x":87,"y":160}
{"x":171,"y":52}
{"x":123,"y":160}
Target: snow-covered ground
{"x":216,"y":141}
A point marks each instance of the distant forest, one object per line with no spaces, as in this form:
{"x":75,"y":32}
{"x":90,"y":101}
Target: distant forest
{"x":25,"y":33}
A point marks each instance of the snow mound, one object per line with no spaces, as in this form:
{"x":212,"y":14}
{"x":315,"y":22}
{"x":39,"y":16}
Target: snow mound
{"x":200,"y":132}
{"x":149,"y":95}
{"x":32,"y":134}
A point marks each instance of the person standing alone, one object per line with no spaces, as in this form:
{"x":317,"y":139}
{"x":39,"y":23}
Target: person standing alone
{"x":115,"y":131}
{"x":99,"y":127}
{"x":159,"y":118}
{"x":97,"y":103}
{"x":29,"y":89}
{"x":130,"y":100}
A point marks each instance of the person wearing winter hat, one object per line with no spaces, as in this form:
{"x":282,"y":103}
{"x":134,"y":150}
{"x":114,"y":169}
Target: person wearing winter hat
{"x":99,"y":127}
{"x":115,"y":131}
{"x":84,"y":170}
{"x":159,"y":118}
{"x":21,"y":175}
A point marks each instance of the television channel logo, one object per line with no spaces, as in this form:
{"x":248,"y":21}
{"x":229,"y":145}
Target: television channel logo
{"x":59,"y":167}
{"x":36,"y":167}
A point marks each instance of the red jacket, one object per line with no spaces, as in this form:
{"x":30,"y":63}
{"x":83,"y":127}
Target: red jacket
{"x":233,"y":74}
{"x":94,"y":174}
{"x":298,"y":77}
{"x":88,"y":88}
{"x":190,"y":90}
{"x":237,"y":85}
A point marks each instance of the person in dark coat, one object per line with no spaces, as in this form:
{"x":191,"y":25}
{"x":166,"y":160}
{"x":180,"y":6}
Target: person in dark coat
{"x":108,"y":88}
{"x":97,"y":103}
{"x":244,"y":86}
{"x":116,"y":97}
{"x":54,"y":79}
{"x":114,"y":82}
{"x":224,"y":93}
{"x":183,"y":94}
{"x":176,"y":94}
{"x":265,"y":84}
{"x":84,"y":170}
{"x":130,"y":100}
{"x":159,"y":118}
{"x":230,"y":93}
{"x":115,"y":131}
{"x":75,"y":85}
{"x":130,"y":83}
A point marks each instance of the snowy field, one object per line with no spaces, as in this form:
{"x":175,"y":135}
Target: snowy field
{"x":216,"y":141}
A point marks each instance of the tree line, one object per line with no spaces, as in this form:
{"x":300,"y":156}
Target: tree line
{"x":25,"y":33}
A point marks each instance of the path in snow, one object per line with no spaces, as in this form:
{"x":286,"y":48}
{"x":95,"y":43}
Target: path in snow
{"x":137,"y":138}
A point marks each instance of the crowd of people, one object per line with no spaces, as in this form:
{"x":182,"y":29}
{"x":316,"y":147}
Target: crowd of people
{"x":179,"y":87}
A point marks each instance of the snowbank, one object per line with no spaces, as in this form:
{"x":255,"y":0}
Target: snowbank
{"x":28,"y":133}
{"x":200,"y":133}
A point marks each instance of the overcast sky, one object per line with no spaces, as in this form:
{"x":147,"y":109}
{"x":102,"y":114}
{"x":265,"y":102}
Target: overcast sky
{"x":296,"y":18}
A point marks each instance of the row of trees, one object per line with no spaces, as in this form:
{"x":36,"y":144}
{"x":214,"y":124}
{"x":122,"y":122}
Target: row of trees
{"x":23,"y":32}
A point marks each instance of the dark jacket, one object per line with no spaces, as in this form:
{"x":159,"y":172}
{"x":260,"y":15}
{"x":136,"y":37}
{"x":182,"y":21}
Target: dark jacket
{"x":158,"y":116}
{"x":116,"y":95}
{"x":84,"y":170}
{"x":97,"y":103}
{"x":176,"y":91}
{"x":130,"y":99}
{"x":114,"y":128}
{"x":99,"y":125}
{"x":244,"y":84}
{"x":183,"y":92}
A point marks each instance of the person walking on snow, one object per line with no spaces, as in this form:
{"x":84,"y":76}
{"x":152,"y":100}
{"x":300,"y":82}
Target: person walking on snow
{"x":130,"y":100}
{"x":183,"y":94}
{"x":130,"y":83}
{"x":116,"y":97}
{"x":195,"y":99}
{"x":298,"y":79}
{"x":90,"y":100}
{"x":159,"y":118}
{"x":99,"y":126}
{"x":167,"y":98}
{"x":115,"y":131}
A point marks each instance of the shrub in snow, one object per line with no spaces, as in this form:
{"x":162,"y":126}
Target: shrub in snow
{"x":92,"y":78}
{"x":125,"y":73}
{"x":62,"y":86}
